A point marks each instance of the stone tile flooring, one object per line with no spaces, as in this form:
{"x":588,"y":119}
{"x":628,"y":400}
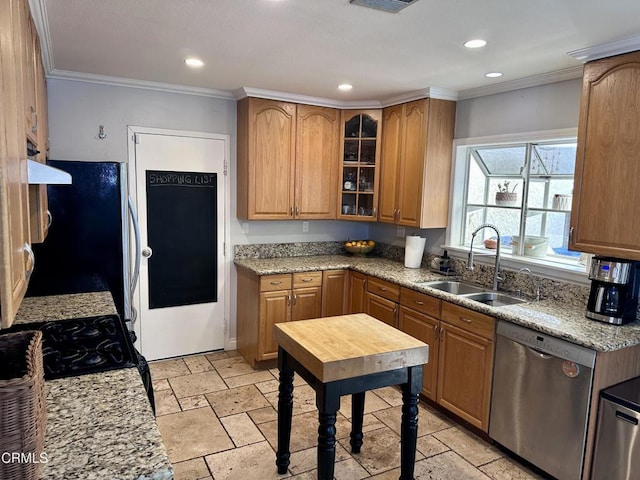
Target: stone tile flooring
{"x":218,"y":419}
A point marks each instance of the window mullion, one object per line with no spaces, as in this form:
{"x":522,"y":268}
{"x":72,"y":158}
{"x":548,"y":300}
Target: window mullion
{"x":525,"y":197}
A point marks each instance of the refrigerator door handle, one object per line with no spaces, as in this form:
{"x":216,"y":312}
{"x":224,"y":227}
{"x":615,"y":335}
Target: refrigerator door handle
{"x":136,"y":263}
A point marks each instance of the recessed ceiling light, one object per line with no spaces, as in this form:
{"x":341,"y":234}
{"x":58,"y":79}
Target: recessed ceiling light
{"x":477,"y":43}
{"x":194,"y":62}
{"x":345,"y":87}
{"x":493,"y":74}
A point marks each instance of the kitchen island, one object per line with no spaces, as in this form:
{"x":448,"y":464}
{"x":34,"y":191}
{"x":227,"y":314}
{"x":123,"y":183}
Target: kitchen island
{"x":100,"y":425}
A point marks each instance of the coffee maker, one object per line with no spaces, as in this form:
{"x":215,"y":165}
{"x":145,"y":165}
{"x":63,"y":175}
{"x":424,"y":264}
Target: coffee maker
{"x":614,"y":290}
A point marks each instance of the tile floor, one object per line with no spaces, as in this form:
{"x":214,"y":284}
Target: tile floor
{"x":218,"y":420}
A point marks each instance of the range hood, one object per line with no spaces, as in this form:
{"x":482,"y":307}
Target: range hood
{"x":40,"y":174}
{"x":392,"y":6}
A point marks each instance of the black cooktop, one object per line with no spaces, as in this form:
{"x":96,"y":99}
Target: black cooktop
{"x":83,"y":345}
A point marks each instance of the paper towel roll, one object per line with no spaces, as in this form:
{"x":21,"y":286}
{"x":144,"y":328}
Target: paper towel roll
{"x":413,"y":250}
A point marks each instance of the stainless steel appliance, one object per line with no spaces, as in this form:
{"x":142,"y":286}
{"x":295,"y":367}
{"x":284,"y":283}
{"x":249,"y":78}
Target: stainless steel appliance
{"x":540,"y":399}
{"x":614,"y":290}
{"x":617,"y":451}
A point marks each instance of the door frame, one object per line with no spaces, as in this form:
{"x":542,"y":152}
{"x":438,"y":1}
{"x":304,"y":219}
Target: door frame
{"x":132,"y":130}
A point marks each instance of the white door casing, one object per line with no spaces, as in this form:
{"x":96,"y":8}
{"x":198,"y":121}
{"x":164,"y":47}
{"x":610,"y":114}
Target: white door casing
{"x":181,"y":330}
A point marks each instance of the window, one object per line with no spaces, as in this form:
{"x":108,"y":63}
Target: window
{"x":524,"y":189}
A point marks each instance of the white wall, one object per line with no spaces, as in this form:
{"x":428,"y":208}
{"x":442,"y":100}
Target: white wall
{"x":77,"y":109}
{"x":546,"y":107}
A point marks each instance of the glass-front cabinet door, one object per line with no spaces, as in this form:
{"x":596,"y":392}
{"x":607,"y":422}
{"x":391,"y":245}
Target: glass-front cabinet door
{"x":360,"y":160}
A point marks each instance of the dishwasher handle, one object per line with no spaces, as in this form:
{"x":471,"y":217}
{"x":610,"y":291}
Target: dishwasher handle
{"x":539,"y":354}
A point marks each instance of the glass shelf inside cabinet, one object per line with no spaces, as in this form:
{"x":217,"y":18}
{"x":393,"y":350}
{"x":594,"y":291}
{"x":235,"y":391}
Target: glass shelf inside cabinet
{"x":359,"y":165}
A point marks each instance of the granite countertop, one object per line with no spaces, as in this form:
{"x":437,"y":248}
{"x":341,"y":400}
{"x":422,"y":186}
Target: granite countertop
{"x":99,"y":426}
{"x":559,"y":319}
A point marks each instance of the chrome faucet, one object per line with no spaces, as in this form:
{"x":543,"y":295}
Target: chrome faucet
{"x":536,"y":283}
{"x":496,"y":274}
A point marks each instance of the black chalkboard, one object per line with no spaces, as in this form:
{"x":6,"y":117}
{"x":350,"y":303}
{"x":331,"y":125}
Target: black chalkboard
{"x":182,"y":233}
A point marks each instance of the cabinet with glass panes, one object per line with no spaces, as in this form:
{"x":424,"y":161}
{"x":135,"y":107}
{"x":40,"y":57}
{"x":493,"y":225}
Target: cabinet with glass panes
{"x":360,"y":161}
{"x":523,"y":188}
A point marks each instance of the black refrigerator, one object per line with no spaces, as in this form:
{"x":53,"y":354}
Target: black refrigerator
{"x":87,"y":246}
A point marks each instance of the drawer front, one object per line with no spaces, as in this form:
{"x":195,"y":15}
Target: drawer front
{"x":469,"y":320}
{"x":385,"y":289}
{"x":307,"y":279}
{"x":271,"y":283}
{"x":420,"y":302}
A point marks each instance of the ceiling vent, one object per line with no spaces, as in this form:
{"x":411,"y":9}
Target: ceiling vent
{"x":392,"y":6}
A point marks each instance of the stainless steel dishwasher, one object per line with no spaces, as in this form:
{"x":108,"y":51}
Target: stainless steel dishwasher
{"x":540,"y":399}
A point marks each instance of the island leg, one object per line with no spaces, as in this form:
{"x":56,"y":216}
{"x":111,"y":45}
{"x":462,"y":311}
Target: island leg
{"x":285,"y":410}
{"x":409,"y":428}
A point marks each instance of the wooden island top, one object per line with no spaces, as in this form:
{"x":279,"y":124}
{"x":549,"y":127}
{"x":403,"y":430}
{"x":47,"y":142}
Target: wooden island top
{"x":335,"y":348}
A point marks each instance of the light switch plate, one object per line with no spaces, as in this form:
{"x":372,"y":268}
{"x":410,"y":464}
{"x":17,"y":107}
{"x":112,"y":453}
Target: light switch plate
{"x":245,"y":227}
{"x":305,"y":227}
{"x":400,"y":232}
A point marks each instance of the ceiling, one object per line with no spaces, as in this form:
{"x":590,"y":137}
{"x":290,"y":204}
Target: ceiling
{"x":308,"y":47}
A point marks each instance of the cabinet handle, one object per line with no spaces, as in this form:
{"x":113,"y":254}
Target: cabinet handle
{"x":49,"y":218}
{"x":418,"y":302}
{"x":570,"y":234}
{"x":297,"y":210}
{"x":436,"y":334}
{"x":295,"y":297}
{"x":291,"y":211}
{"x":288,"y":299}
{"x":307,"y":280}
{"x":32,"y":260}
{"x":382,"y":288}
{"x":465,"y":320}
{"x":375,"y":212}
{"x":276,"y":282}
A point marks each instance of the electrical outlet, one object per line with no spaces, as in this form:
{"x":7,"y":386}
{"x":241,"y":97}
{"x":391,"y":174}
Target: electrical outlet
{"x":400,"y":232}
{"x":305,"y":227}
{"x":245,"y":227}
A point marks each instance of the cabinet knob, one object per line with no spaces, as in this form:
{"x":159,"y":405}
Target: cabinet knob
{"x":147,"y":252}
{"x":383,"y":289}
{"x":418,"y":302}
{"x":465,"y":320}
{"x":49,"y":218}
{"x":32,"y":260}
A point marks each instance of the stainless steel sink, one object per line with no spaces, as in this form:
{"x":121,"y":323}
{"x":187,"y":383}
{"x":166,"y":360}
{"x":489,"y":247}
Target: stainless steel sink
{"x":456,"y":288}
{"x":493,"y":299}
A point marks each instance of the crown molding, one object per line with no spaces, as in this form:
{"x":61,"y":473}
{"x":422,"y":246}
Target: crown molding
{"x":610,"y":49}
{"x":142,"y":84}
{"x":430,"y":92}
{"x":294,"y":98}
{"x":533,"y":81}
{"x":39,"y":14}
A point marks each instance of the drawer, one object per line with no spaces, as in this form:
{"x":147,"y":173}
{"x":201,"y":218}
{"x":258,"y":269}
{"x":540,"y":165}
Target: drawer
{"x":382,"y":288}
{"x":420,"y":302}
{"x":270,"y":283}
{"x":307,"y":279}
{"x":469,"y":320}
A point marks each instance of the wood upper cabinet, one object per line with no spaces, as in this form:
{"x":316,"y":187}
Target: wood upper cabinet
{"x":606,"y":204}
{"x":317,"y":150}
{"x":287,"y":160}
{"x":360,"y":165}
{"x":417,"y":141}
{"x":335,"y":292}
{"x":16,"y":262}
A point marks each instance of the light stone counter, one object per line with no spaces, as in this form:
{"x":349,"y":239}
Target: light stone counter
{"x":561,"y":319}
{"x":99,"y":426}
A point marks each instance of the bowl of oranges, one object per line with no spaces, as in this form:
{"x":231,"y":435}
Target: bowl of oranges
{"x":359,"y":247}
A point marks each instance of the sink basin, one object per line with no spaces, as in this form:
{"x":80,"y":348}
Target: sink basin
{"x":493,"y":299}
{"x":457,"y":288}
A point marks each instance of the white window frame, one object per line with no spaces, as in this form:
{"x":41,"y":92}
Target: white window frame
{"x":566,"y":270}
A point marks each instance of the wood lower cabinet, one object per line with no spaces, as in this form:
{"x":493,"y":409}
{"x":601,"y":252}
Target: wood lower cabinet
{"x":382,"y":309}
{"x":465,"y":364}
{"x":264,"y":300}
{"x":425,"y":329}
{"x":335,"y":292}
{"x":417,"y":144}
{"x":606,"y":198}
{"x":287,"y":160}
{"x":357,"y":292}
